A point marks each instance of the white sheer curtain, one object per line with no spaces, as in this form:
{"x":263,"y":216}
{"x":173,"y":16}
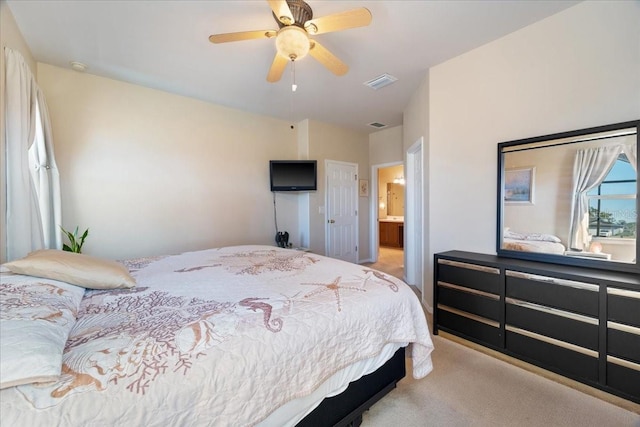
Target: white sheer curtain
{"x":631,"y":151}
{"x":33,"y":205}
{"x":590,"y":168}
{"x":45,"y":175}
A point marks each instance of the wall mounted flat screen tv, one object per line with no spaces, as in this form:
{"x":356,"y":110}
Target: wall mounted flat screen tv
{"x":293,"y":175}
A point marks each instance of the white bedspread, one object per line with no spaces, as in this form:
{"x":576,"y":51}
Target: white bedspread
{"x":533,"y":246}
{"x":220,"y":337}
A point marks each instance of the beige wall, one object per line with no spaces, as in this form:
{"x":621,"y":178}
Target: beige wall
{"x":551,"y":208}
{"x":328,"y":142}
{"x":11,"y":37}
{"x":577,"y":69}
{"x":385,"y":146}
{"x":154,"y":173}
{"x":416,"y":128}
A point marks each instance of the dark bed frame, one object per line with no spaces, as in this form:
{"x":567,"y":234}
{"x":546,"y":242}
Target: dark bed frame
{"x":346,"y":409}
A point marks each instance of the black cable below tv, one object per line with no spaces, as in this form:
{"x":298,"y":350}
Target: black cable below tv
{"x":293,"y":175}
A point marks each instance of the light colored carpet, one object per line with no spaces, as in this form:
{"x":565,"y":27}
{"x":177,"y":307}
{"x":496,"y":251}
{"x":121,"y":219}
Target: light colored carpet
{"x":470,"y":388}
{"x":390,"y":261}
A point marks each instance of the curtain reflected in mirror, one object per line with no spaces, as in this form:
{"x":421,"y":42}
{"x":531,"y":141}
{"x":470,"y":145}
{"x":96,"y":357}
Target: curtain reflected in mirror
{"x":571,"y":196}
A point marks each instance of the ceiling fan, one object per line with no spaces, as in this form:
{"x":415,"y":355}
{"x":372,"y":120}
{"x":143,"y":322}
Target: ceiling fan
{"x":296,"y":25}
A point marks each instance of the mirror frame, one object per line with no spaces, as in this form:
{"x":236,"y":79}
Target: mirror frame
{"x":572,"y":136}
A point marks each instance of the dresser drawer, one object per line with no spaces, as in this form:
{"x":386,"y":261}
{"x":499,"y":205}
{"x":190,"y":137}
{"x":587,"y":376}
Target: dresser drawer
{"x":471,"y":301}
{"x":474,"y":276}
{"x":623,"y":306}
{"x":561,"y":325}
{"x":577,"y":297}
{"x":565,"y":359}
{"x":624,"y":377}
{"x":474,"y":328}
{"x":623,"y":341}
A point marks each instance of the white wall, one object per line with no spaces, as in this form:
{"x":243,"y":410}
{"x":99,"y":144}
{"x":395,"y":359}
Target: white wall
{"x":577,"y":69}
{"x":154,"y":173}
{"x":10,"y":36}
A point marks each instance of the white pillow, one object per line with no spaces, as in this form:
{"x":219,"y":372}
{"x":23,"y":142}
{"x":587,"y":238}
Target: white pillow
{"x":36,"y":318}
{"x":77,"y":269}
{"x":541,"y":237}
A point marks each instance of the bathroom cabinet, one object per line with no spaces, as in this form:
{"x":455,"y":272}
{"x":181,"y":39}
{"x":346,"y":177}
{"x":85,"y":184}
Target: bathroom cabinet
{"x":391,"y":234}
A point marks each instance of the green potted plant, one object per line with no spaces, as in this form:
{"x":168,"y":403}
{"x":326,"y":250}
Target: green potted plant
{"x":75,"y":242}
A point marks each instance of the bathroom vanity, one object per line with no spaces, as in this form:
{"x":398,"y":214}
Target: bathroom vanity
{"x":391,"y":232}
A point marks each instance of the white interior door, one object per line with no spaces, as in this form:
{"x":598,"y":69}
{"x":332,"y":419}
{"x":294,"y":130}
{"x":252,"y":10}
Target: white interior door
{"x":414,"y":219}
{"x":342,"y":210}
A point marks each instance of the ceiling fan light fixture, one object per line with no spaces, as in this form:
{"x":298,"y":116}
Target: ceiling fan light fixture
{"x":292,"y":42}
{"x":311,"y":28}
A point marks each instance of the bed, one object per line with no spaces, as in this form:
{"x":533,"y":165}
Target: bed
{"x":532,"y":242}
{"x":232,"y":336}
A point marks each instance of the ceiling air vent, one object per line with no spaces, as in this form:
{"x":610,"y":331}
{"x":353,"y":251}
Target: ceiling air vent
{"x":377,"y":125}
{"x":381,"y":81}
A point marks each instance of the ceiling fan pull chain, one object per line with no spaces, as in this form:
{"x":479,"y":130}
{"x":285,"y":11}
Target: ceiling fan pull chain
{"x":294,"y":86}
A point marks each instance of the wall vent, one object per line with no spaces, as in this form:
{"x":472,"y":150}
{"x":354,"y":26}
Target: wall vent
{"x":381,"y":81}
{"x":377,"y":125}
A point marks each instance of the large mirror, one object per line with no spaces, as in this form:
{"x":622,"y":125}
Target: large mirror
{"x":571,"y":198}
{"x":395,"y":199}
{"x":391,"y":193}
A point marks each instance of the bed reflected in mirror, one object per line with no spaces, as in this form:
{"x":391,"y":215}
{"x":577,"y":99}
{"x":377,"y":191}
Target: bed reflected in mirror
{"x":571,"y":198}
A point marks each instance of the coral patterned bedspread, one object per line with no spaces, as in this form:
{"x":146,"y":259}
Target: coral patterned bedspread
{"x":220,"y":337}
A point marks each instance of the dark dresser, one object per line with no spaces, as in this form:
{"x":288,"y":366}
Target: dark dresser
{"x":578,"y":322}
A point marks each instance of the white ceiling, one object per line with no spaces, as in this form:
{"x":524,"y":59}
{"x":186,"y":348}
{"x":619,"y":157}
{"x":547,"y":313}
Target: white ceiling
{"x":164,"y":45}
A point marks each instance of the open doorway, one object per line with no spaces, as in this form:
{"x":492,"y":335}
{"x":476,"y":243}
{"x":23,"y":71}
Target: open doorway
{"x":389,"y":224}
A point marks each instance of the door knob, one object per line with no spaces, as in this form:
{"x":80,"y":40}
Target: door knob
{"x":331,"y":221}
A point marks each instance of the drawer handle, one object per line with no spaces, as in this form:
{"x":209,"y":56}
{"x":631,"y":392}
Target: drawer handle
{"x":552,"y":341}
{"x":555,"y":281}
{"x":623,"y":293}
{"x":468,"y":290}
{"x":469,"y":315}
{"x":624,"y":363}
{"x":624,"y":328}
{"x":468,"y":266}
{"x":553,"y":311}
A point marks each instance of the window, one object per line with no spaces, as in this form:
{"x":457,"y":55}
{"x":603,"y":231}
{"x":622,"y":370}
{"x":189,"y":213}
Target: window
{"x":612,"y":204}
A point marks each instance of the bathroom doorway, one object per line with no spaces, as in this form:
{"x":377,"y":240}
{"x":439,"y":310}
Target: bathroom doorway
{"x":390,"y":219}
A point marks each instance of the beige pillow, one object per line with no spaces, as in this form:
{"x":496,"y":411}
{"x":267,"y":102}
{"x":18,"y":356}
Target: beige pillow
{"x":77,"y":269}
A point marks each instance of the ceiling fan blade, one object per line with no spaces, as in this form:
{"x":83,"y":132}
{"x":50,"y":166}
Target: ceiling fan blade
{"x":277,"y":68}
{"x":242,"y":35}
{"x":281,"y":9}
{"x":339,"y":21}
{"x":328,"y":59}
